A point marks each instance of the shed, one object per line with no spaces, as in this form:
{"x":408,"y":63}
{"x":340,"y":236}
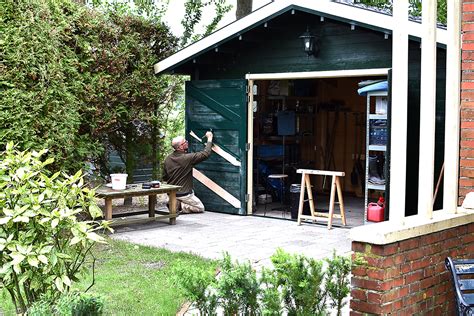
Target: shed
{"x":272,"y":105}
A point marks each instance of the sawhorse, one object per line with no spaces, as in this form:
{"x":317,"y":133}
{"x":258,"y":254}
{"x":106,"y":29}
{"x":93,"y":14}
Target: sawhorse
{"x":335,"y":186}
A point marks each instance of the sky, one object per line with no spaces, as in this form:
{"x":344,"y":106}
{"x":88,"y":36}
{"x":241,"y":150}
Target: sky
{"x":176,"y":12}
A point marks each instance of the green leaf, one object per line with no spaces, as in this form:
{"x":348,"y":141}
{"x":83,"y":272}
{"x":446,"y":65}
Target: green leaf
{"x":95,"y":237}
{"x":23,"y":219}
{"x":33,"y":261}
{"x":43,"y":259}
{"x":4,"y":220}
{"x":75,"y":240}
{"x":54,"y":223}
{"x":17,"y":258}
{"x":66,"y":280}
{"x":59,"y":284}
{"x":95,"y":211}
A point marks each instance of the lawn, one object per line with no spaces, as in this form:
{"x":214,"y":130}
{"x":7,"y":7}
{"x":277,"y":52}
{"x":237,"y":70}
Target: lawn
{"x":133,"y":279}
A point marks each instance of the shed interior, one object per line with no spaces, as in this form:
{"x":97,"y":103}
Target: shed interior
{"x":313,"y":124}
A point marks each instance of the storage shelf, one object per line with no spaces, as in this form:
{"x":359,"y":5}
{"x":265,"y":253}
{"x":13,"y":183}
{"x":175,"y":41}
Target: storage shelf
{"x":377,"y":116}
{"x":378,"y":147}
{"x":379,"y":187}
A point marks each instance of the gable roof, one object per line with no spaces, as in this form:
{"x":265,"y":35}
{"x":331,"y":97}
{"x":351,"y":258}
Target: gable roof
{"x":325,"y":8}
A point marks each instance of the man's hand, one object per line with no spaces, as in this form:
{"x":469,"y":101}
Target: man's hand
{"x":209,"y":136}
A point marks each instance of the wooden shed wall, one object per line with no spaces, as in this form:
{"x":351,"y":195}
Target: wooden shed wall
{"x":277,"y":48}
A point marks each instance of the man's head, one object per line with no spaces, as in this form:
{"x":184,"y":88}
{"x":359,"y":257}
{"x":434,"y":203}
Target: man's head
{"x":180,"y":144}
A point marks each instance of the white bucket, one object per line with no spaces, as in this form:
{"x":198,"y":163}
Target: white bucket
{"x":119,"y":181}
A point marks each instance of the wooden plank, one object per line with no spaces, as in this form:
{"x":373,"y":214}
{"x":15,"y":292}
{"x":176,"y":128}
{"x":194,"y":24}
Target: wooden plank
{"x":452,"y":114}
{"x":128,"y":221}
{"x":172,"y":207}
{"x":321,"y":172}
{"x":331,"y":201}
{"x":106,"y":192}
{"x":398,"y":165}
{"x":218,"y":150}
{"x":214,"y":187}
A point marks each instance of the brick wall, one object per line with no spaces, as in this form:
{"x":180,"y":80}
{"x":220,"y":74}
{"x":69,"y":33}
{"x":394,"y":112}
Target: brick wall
{"x":466,"y":172}
{"x":409,"y":277}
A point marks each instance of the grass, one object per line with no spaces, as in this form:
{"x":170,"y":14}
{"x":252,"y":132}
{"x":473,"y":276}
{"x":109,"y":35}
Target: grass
{"x":132,"y":279}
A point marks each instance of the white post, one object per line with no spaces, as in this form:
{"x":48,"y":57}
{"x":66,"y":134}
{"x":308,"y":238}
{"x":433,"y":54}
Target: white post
{"x":427,"y":110}
{"x":250,"y":151}
{"x":398,"y":148}
{"x":453,"y":78}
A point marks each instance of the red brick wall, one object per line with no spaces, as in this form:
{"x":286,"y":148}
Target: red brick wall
{"x":409,"y":277}
{"x":466,"y":171}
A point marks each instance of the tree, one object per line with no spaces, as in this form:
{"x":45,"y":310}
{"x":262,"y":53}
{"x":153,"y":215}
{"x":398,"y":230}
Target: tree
{"x":415,"y":7}
{"x":244,"y":7}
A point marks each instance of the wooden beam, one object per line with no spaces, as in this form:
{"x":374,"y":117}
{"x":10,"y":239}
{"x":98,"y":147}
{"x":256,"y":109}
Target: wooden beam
{"x":319,"y":74}
{"x":398,"y":165}
{"x":218,"y":150}
{"x":250,"y":149}
{"x":427,"y":110}
{"x":452,"y":116}
{"x":217,"y":189}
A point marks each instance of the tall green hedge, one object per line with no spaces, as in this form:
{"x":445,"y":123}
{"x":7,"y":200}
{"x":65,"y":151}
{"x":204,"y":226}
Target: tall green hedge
{"x":73,"y":79}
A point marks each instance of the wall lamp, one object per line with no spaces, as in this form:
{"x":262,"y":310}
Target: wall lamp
{"x":310,"y":42}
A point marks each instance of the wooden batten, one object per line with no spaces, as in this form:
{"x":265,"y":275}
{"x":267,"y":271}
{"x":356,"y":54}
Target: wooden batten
{"x":250,"y":147}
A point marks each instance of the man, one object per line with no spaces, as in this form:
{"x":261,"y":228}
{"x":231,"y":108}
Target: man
{"x":178,"y":170}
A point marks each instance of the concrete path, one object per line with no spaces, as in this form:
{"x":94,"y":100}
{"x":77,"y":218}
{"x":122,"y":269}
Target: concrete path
{"x":243,"y":237}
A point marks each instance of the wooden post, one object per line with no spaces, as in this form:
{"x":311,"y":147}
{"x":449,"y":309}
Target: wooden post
{"x":331,"y":200}
{"x":340,"y":200}
{"x":250,"y":150}
{"x":452,"y":115}
{"x":300,"y":205}
{"x":427,"y":110}
{"x":151,"y":205}
{"x":172,"y":206}
{"x":108,"y":209}
{"x":399,"y":115}
{"x":310,"y":194}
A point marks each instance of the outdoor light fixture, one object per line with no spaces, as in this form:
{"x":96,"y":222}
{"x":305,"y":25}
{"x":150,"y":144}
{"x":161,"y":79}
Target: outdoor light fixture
{"x":310,"y":43}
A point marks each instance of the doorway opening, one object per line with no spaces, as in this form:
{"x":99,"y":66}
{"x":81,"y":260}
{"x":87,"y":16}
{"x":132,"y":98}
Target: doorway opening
{"x":311,"y":123}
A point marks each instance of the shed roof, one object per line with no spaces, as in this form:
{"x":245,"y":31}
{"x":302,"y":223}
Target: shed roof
{"x":325,"y":8}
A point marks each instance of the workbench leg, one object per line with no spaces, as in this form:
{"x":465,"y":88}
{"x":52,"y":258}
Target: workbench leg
{"x":108,"y":209}
{"x":331,"y":201}
{"x":300,"y":205}
{"x":341,"y":201}
{"x":310,"y":195}
{"x":151,"y":205}
{"x":172,"y":206}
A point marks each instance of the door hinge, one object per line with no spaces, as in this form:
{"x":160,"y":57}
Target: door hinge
{"x":247,"y":197}
{"x":247,"y":146}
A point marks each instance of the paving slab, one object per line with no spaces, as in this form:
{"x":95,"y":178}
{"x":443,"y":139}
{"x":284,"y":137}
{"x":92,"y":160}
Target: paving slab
{"x":245,"y":238}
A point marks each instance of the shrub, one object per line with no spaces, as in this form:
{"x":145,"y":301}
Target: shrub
{"x":76,"y":304}
{"x":43,"y":245}
{"x":238,"y":288}
{"x":196,"y":285}
{"x":301,"y":282}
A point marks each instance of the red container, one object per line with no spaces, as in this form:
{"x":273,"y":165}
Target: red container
{"x":375,"y":212}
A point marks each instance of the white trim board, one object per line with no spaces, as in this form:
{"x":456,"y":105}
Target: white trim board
{"x":319,"y":74}
{"x":354,"y":15}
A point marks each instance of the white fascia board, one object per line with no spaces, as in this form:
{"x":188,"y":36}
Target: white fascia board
{"x":355,"y":15}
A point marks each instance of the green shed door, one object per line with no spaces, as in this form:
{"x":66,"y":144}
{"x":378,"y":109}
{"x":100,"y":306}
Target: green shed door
{"x":220,"y":105}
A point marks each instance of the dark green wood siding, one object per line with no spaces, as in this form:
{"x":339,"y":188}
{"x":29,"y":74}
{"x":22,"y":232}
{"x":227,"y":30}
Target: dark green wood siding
{"x":220,"y":105}
{"x":278,"y":48}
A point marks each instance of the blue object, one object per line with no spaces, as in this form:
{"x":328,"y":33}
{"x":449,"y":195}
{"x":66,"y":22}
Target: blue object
{"x":286,"y":123}
{"x":379,"y":86}
{"x":269,"y":151}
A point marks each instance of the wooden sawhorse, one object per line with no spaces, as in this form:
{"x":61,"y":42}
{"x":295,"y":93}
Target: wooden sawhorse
{"x":335,"y":186}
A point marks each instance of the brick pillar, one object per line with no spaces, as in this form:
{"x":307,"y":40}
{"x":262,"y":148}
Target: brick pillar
{"x":409,"y":277}
{"x":466,"y":163}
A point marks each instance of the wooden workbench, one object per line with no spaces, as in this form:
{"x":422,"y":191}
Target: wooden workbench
{"x":335,"y":186}
{"x":108,"y":195}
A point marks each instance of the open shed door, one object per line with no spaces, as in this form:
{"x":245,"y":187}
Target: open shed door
{"x":220,"y":181}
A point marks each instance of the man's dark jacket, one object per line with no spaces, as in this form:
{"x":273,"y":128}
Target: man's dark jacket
{"x":178,"y":167}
